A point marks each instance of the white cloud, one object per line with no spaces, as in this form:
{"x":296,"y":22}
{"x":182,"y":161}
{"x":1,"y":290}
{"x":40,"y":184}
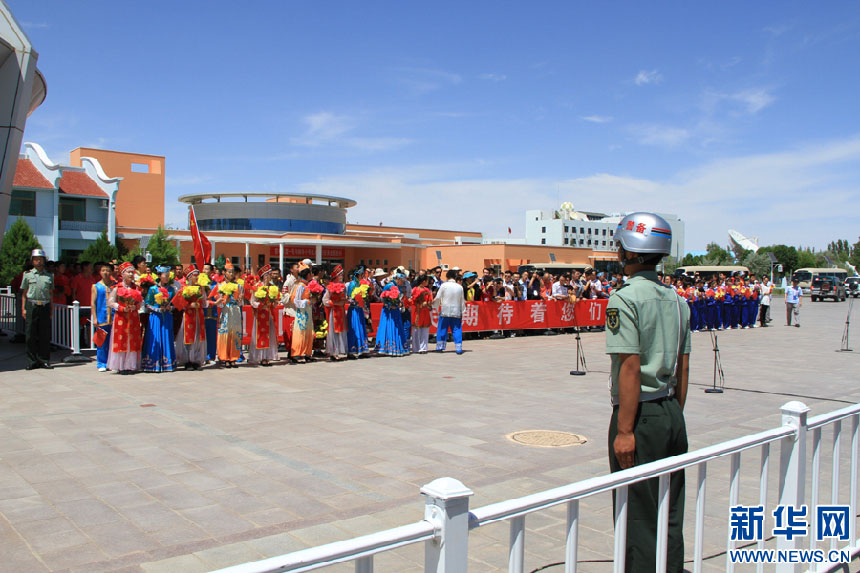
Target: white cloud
{"x":597,"y":118}
{"x":493,"y":77}
{"x":659,"y":135}
{"x":323,"y":127}
{"x":750,"y":100}
{"x":420,"y":81}
{"x":754,"y":100}
{"x":776,"y":196}
{"x":645,"y":77}
{"x":327,"y":128}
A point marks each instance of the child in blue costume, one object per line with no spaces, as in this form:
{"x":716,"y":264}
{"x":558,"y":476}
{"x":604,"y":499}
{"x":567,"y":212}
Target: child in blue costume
{"x":159,"y":354}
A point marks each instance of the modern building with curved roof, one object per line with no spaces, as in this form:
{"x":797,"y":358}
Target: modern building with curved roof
{"x":272,"y":212}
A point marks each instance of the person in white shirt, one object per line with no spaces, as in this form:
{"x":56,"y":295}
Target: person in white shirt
{"x":451,"y":303}
{"x":766,"y":288}
{"x":560,"y":288}
{"x":793,"y":302}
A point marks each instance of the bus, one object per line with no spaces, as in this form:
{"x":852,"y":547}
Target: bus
{"x":708,"y":271}
{"x":806,"y":275}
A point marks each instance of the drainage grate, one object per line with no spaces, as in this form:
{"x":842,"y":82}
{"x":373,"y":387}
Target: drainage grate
{"x":546,"y":438}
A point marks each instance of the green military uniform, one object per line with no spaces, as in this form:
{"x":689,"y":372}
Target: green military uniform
{"x":38,"y":287}
{"x":644,"y":317}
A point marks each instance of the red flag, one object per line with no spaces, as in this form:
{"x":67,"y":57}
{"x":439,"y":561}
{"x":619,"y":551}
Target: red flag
{"x":509,"y":230}
{"x":202,"y":246}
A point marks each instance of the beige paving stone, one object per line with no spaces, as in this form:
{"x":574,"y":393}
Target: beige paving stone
{"x":337,"y":450}
{"x":184,"y":563}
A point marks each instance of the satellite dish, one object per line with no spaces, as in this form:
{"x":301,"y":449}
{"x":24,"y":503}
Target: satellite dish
{"x":742,"y":241}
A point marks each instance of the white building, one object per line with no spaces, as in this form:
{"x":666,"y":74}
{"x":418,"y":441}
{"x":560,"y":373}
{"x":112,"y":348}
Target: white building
{"x":66,"y":207}
{"x":570,"y":228}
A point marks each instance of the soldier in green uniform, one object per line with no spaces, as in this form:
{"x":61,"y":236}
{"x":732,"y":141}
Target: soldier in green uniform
{"x":37,"y":287}
{"x":648,"y":339}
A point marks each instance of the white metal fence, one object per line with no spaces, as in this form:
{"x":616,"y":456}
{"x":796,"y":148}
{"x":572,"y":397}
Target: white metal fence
{"x":69,"y":329}
{"x":447,"y":519}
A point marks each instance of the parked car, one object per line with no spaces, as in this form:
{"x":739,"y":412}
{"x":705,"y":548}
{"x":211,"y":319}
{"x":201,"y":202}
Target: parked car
{"x":827,"y":287}
{"x":852,"y":285}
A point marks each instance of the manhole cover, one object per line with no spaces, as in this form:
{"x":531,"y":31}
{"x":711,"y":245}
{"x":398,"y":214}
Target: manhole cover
{"x":546,"y":438}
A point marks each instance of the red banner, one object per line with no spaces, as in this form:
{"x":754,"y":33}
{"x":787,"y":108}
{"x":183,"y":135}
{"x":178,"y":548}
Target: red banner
{"x":521,"y":315}
{"x":483,"y":316}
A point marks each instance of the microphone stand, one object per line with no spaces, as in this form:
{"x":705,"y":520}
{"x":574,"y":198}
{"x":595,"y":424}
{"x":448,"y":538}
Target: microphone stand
{"x":718,"y":368}
{"x":845,"y":333}
{"x":580,"y":355}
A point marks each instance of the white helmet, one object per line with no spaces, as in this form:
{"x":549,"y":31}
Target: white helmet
{"x":645,"y":234}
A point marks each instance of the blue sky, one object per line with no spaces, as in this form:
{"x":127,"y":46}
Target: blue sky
{"x":734,"y":115}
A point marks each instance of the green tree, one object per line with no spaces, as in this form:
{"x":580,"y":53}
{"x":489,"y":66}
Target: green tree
{"x":739,"y":252}
{"x":854,"y":259}
{"x":786,"y":256}
{"x":18,"y":243}
{"x":162,"y":250}
{"x":690,"y":260}
{"x":807,"y":259}
{"x":716,"y":255}
{"x":758,"y":263}
{"x":670,"y":264}
{"x":99,"y":250}
{"x":220,"y":261}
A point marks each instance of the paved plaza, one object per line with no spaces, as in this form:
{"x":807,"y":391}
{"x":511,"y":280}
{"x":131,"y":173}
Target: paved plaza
{"x":193,"y":471}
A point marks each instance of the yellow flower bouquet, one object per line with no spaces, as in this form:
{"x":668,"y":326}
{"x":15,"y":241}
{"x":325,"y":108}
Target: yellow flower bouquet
{"x":228,"y":288}
{"x":191,"y":292}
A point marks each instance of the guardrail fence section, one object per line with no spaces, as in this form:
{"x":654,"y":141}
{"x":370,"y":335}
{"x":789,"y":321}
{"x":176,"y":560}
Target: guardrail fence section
{"x":70,"y":328}
{"x":448,"y":521}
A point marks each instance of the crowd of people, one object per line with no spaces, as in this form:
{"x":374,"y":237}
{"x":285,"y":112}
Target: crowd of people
{"x":724,"y":302}
{"x":158,"y":319}
{"x":168,"y":317}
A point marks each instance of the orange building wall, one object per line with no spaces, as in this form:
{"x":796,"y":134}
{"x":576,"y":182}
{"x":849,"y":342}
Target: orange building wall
{"x":140,"y":200}
{"x":476,"y":257}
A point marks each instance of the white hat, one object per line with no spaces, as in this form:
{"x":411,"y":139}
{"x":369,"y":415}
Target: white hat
{"x":38,"y":253}
{"x":379,"y":273}
{"x":455,"y":268}
{"x":307,"y":262}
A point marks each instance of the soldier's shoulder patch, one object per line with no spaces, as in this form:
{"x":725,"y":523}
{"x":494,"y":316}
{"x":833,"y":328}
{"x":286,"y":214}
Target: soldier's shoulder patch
{"x":613,"y":318}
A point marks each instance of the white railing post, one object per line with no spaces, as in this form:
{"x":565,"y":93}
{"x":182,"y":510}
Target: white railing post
{"x":76,"y":327}
{"x":74,"y":317}
{"x":792,"y":472}
{"x":446,"y":506}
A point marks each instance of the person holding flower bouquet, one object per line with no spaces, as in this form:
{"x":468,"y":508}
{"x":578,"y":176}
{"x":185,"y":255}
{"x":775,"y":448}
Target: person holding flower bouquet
{"x":125,"y":338}
{"x":159,"y":354}
{"x":191,"y":340}
{"x":302,"y":299}
{"x":230,"y":318}
{"x":356,"y":334}
{"x":207,"y":282}
{"x":264,"y":335}
{"x":389,"y":334}
{"x":422,"y":298}
{"x":334,"y":300}
{"x":400,"y":279}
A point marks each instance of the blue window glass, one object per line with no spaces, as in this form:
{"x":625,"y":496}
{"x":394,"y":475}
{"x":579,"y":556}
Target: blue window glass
{"x":285,"y":225}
